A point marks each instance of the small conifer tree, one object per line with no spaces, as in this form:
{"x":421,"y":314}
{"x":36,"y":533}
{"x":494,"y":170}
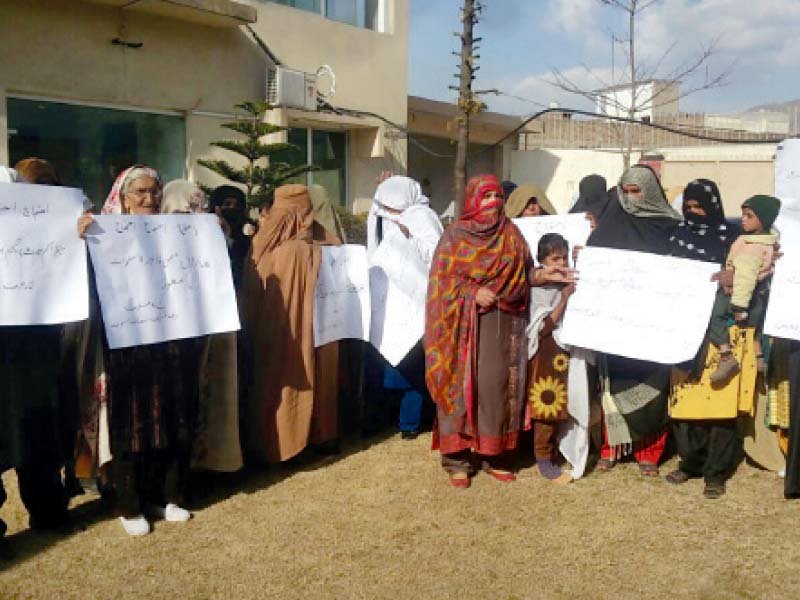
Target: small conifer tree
{"x":262,"y":174}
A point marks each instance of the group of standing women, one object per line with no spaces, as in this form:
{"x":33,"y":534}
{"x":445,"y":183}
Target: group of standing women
{"x":484,"y":289}
{"x":139,"y":418}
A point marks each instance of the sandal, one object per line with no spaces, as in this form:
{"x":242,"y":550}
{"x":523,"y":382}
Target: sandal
{"x":504,"y":476}
{"x":460,"y":480}
{"x":606,"y":464}
{"x":648,"y":469}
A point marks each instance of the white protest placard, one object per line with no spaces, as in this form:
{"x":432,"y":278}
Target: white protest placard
{"x":575,"y":228}
{"x":783,"y":318}
{"x":398,"y":286}
{"x":162,"y":277}
{"x":640,"y":305}
{"x":43,"y":274}
{"x":787,"y":169}
{"x":341,"y":297}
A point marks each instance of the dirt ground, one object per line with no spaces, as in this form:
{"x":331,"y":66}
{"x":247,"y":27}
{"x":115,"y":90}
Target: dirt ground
{"x":379,"y":521}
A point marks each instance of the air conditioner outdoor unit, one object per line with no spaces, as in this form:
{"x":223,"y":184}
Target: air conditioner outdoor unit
{"x":288,"y":88}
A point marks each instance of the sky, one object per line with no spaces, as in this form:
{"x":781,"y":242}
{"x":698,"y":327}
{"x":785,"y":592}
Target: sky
{"x":757,"y":42}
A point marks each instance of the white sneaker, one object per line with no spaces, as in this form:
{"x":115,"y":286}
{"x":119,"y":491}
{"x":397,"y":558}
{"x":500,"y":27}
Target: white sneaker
{"x":176,"y":514}
{"x":172,"y":512}
{"x":135,"y":526}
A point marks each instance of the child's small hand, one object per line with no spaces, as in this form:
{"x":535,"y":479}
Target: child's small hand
{"x":740,"y":316}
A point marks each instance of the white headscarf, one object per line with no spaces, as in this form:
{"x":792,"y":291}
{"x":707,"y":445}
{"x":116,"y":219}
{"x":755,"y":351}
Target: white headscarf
{"x":8,"y":175}
{"x":404,"y":194}
{"x":182,"y":197}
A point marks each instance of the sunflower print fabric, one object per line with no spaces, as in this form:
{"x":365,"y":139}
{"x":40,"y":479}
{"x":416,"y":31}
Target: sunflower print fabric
{"x":547,"y":382}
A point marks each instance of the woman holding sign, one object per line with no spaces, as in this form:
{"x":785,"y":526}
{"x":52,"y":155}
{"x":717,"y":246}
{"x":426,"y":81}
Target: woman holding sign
{"x":635,"y":392}
{"x":401,"y":212}
{"x":475,"y":347}
{"x":152,"y":395}
{"x":30,"y":357}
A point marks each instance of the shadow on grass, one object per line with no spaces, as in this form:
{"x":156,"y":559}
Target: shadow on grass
{"x":206,"y":489}
{"x":27,"y":543}
{"x":209,"y":488}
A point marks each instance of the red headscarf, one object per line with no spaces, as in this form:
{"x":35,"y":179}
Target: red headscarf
{"x":482,"y":249}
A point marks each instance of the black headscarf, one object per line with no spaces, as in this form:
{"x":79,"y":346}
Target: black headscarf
{"x":508,"y":188}
{"x":239,"y":243}
{"x":643,"y":226}
{"x":708,"y":237}
{"x":592,"y":196}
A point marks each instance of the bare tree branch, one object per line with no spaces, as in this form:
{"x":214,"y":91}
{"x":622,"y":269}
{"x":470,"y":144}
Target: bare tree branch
{"x":564,"y":83}
{"x":637,"y":74}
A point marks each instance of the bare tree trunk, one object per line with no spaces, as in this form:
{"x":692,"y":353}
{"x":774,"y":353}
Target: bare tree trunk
{"x":626,"y":154}
{"x":464,"y":105}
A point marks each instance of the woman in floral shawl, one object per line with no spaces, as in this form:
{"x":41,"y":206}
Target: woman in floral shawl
{"x":475,"y":346}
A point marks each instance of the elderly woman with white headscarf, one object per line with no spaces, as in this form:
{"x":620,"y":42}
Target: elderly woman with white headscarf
{"x":152,"y":394}
{"x":400,"y":208}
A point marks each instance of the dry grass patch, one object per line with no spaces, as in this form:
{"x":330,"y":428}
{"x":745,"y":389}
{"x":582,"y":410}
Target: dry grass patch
{"x":382,"y":523}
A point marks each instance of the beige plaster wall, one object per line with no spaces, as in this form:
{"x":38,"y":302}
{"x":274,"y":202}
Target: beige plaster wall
{"x":371,"y":68}
{"x":737,"y":180}
{"x":739,"y":170}
{"x":64,"y":50}
{"x":439,"y":170}
{"x":65,"y":53}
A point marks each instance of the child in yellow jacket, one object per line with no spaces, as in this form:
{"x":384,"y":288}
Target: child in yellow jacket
{"x":750,"y":259}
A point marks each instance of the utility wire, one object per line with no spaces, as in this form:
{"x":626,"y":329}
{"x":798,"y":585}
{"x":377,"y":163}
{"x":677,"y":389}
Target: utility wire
{"x":574,"y":111}
{"x":521,"y":126}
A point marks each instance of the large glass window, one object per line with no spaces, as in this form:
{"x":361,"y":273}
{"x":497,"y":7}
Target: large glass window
{"x":327,"y":150}
{"x":312,"y":5}
{"x":89,"y":146}
{"x":346,"y":11}
{"x":360,"y":13}
{"x":329,"y":153}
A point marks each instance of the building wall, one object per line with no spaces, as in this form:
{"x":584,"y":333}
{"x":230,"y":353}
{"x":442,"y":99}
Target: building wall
{"x":755,"y":122}
{"x":68,"y":54}
{"x":560,"y":171}
{"x":371,"y":71}
{"x":739,"y":170}
{"x":371,"y":68}
{"x":65,"y":54}
{"x":439,"y":169}
{"x":614,"y":102}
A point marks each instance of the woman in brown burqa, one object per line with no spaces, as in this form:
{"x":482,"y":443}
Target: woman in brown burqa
{"x":293,"y":388}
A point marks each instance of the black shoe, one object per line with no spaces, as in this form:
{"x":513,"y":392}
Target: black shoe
{"x":6,"y":553}
{"x":713,"y":491}
{"x":409,"y":435}
{"x":330,"y":448}
{"x":73,"y":487}
{"x":677,"y":477}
